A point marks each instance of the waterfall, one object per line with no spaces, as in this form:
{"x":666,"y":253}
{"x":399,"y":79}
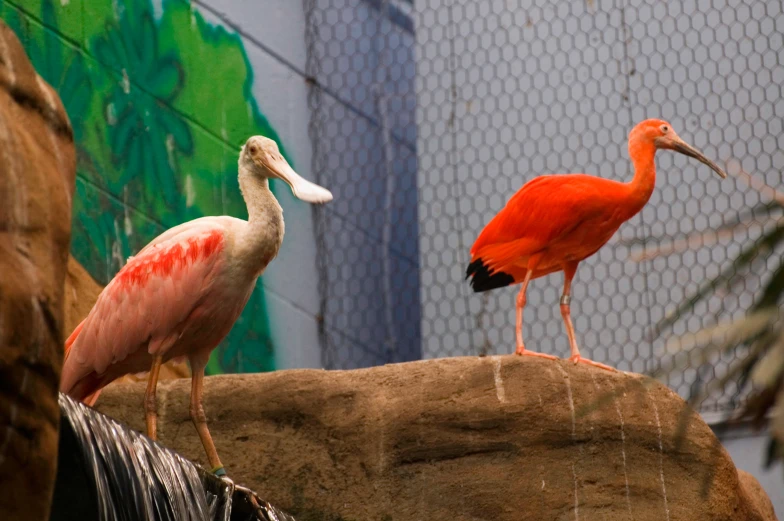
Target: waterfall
{"x":108,"y":472}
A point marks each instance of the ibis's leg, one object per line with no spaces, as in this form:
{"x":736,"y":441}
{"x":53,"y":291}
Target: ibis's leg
{"x":520,"y":304}
{"x":150,"y":404}
{"x":521,"y":350}
{"x":569,"y":271}
{"x":200,"y":419}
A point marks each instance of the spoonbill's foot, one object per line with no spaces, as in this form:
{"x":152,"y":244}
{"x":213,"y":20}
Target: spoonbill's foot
{"x":246,"y":490}
{"x":522,"y":351}
{"x":578,"y":358}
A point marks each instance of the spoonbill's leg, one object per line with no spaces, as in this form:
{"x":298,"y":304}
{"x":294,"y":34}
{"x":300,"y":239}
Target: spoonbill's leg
{"x":199,"y":418}
{"x":521,"y":350}
{"x":569,"y":271}
{"x":150,"y":403}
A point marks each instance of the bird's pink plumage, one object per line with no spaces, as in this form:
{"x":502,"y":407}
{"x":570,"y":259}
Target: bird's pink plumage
{"x":139,"y":269}
{"x":148,"y":306}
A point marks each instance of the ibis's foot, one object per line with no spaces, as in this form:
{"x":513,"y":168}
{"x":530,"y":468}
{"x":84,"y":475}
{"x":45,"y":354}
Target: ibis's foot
{"x":578,"y":358}
{"x":522,"y":351}
{"x":220,"y":472}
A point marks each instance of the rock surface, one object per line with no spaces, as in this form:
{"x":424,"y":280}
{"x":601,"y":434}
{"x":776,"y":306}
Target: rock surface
{"x":501,"y":438}
{"x":81,"y":292}
{"x":37,"y":168}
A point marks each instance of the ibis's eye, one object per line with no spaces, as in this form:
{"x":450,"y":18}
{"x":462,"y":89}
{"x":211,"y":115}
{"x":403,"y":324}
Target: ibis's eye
{"x":665,"y":129}
{"x":253,"y":148}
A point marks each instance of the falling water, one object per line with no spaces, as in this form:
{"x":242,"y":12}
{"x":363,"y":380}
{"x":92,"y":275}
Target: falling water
{"x":134,"y":478}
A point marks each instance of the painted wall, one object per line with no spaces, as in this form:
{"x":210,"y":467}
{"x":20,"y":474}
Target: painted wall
{"x":161,"y":96}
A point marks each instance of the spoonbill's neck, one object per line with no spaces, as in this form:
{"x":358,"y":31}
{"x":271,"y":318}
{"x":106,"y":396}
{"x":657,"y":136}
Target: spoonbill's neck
{"x":262,"y":236}
{"x":641,"y":186}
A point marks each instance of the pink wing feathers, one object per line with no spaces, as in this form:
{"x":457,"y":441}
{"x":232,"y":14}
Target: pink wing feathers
{"x":145,"y":303}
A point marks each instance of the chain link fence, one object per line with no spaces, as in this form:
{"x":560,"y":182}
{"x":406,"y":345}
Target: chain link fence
{"x":361,"y":69}
{"x":427,"y":116}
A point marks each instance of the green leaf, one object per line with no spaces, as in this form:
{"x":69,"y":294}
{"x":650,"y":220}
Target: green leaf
{"x":772,"y":291}
{"x":148,"y":44}
{"x":175,"y":126}
{"x":122,"y":134}
{"x":166,"y":79}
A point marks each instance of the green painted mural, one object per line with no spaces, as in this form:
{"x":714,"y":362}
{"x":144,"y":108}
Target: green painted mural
{"x":160,"y":104}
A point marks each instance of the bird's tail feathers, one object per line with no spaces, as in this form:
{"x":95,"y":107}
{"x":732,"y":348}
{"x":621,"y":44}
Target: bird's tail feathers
{"x":484,"y":279}
{"x":497,"y":265}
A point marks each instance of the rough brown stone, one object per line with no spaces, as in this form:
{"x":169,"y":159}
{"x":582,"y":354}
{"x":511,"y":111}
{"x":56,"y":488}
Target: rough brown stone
{"x":37,"y":168}
{"x":81,"y":292}
{"x":754,"y":490}
{"x":501,"y":438}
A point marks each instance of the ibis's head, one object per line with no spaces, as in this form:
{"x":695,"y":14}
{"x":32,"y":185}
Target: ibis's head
{"x":260,"y":155}
{"x":661,"y":135}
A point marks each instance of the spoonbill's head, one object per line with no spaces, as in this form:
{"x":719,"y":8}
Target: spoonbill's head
{"x":261,"y":156}
{"x":662,"y":135}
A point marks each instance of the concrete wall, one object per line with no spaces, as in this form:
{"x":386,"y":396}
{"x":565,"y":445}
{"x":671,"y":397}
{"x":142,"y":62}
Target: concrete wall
{"x":357,"y":117}
{"x":161,"y":95}
{"x":362,"y":58}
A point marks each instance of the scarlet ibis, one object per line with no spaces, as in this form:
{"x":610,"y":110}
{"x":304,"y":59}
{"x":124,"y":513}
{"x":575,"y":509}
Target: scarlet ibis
{"x":555,"y":221}
{"x":181,"y":294}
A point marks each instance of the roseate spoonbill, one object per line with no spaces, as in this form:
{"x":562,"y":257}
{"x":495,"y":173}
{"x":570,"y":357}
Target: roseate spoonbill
{"x":180,"y":295}
{"x":555,"y":221}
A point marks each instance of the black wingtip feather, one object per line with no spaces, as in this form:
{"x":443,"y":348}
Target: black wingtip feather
{"x":482,"y":279}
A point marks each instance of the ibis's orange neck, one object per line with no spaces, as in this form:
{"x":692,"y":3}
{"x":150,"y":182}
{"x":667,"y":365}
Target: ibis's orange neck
{"x":642,"y":154}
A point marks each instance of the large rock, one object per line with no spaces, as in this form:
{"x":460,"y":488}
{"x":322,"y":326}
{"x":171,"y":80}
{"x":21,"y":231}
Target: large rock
{"x":37,"y":168}
{"x":81,"y":292}
{"x":501,"y":438}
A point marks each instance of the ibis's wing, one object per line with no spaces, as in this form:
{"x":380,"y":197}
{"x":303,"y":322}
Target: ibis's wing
{"x":543,"y":210}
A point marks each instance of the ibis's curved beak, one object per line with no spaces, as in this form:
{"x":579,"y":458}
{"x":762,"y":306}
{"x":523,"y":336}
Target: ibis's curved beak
{"x":301,"y":188}
{"x":677,"y":144}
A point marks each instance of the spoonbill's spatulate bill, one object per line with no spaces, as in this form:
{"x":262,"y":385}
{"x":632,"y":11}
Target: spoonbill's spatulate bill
{"x":181,"y":294}
{"x":555,"y":221}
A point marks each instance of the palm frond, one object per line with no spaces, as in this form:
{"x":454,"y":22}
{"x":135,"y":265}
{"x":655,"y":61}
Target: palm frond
{"x":763,"y":212}
{"x":764,"y":245}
